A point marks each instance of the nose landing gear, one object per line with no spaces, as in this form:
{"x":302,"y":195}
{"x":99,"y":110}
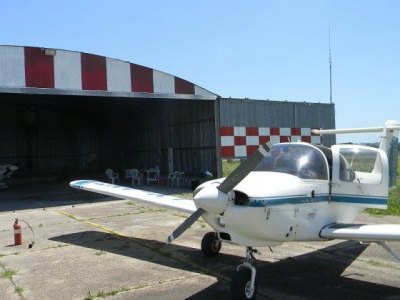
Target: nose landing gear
{"x":210,"y":244}
{"x":244,"y":284}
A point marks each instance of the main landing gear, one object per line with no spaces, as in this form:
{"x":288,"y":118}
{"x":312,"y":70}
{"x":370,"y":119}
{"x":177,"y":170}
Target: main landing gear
{"x":244,"y":284}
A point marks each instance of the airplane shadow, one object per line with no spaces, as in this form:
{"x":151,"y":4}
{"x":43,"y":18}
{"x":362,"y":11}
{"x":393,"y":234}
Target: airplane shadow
{"x":315,"y":275}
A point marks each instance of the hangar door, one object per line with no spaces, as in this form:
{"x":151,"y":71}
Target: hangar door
{"x":69,"y":136}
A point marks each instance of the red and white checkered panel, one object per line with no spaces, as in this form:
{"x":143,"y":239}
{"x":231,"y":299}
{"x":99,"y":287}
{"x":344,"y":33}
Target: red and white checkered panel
{"x":243,"y":141}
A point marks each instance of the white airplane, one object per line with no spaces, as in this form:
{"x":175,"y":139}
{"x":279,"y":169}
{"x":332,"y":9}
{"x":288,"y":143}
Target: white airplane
{"x":284,"y":193}
{"x":5,"y":172}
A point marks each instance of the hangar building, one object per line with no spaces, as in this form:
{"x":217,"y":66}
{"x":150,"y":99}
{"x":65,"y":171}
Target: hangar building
{"x":68,"y":113}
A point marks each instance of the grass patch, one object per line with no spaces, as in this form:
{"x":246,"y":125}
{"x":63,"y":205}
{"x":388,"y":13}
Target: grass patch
{"x":229,"y":165}
{"x":19,"y":290}
{"x":89,"y":296}
{"x":141,"y":286}
{"x":184,"y":195}
{"x":374,"y":263}
{"x":180,"y":214}
{"x":100,"y":253}
{"x":381,"y":264}
{"x":9,"y":273}
{"x":105,"y":294}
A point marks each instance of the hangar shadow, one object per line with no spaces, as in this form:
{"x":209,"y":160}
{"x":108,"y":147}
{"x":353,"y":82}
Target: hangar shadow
{"x":315,"y":275}
{"x":31,"y":195}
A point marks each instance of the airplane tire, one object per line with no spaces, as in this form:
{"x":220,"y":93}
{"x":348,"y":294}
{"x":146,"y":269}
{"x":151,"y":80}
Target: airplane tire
{"x":240,"y":286}
{"x":210,"y":244}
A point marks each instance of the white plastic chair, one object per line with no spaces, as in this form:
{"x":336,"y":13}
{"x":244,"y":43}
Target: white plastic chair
{"x":112,"y":176}
{"x":172,"y":179}
{"x":176,"y":179}
{"x":153,"y":175}
{"x":134,"y":175}
{"x":5,"y":172}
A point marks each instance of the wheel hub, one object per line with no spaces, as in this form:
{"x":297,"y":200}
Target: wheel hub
{"x":248,"y":290}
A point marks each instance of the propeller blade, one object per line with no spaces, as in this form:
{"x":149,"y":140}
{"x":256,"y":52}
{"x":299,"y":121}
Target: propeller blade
{"x":244,"y":169}
{"x":185,"y":225}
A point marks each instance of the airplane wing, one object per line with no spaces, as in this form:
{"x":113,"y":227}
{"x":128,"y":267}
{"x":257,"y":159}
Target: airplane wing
{"x":166,"y":201}
{"x":361,"y":232}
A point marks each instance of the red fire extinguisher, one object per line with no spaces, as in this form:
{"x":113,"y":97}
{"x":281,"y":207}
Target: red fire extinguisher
{"x":17,"y":233}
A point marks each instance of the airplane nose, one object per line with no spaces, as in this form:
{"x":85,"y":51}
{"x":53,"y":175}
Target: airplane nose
{"x":211,"y":199}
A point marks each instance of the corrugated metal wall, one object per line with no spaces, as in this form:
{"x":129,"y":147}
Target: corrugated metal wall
{"x":186,"y":127}
{"x":263,"y":113}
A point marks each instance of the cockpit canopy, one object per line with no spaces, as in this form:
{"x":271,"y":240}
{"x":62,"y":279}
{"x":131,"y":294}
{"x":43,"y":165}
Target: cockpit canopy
{"x":298,"y":159}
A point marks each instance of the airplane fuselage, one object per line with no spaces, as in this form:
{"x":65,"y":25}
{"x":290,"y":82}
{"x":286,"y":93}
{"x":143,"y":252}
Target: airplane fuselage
{"x":305,"y":209}
{"x":294,"y":193}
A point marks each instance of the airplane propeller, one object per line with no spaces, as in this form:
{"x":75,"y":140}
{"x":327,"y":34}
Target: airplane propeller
{"x":185,"y":225}
{"x":215,"y":199}
{"x":244,"y":169}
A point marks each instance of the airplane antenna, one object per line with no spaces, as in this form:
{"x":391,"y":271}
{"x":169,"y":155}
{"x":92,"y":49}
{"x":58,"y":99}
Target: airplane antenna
{"x":330,"y":68}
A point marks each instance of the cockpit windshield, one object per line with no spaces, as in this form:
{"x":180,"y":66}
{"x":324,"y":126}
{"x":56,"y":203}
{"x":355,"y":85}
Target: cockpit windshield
{"x":301,"y":160}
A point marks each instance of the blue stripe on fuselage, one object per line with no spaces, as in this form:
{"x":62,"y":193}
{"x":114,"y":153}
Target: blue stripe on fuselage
{"x":359,"y":199}
{"x":299,"y":199}
{"x":303,"y":199}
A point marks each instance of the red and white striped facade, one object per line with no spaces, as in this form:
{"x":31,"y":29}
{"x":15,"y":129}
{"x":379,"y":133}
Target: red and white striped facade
{"x":239,"y":141}
{"x":31,"y":67}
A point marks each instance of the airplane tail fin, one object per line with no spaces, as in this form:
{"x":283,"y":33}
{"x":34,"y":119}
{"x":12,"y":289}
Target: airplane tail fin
{"x":390,"y":144}
{"x":390,"y":133}
{"x":393,"y":161}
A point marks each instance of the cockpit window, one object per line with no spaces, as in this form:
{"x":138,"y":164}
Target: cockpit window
{"x":362,"y":164}
{"x":304,"y":161}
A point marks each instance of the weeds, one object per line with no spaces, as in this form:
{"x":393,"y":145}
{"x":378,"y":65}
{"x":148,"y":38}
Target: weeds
{"x":19,"y":290}
{"x":9,"y":273}
{"x":89,"y":296}
{"x":100,"y":253}
{"x":103,"y":294}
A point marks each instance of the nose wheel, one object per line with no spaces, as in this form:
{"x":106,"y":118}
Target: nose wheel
{"x":210,"y":244}
{"x":244,"y":284}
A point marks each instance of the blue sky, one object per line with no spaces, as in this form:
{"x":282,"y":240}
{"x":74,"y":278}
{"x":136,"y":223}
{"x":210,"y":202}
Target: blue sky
{"x":274,"y":50}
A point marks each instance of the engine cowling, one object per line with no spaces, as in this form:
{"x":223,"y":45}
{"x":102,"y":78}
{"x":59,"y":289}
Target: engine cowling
{"x":211,"y":199}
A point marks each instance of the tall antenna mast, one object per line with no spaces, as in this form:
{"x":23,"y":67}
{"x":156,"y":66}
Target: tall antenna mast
{"x":330,"y":68}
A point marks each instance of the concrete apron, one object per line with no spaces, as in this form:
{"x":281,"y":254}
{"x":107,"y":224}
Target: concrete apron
{"x":117,"y":250}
